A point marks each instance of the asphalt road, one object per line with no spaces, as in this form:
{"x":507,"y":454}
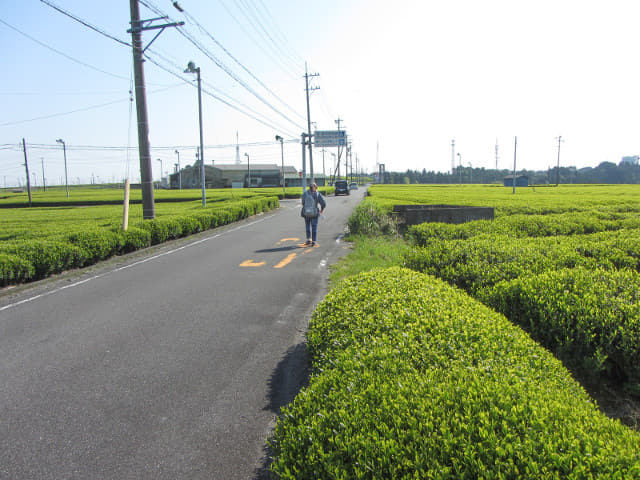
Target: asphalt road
{"x":170,"y":363}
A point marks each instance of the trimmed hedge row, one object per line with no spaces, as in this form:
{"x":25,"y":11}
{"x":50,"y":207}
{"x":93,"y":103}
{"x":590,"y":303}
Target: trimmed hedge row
{"x":524,"y":225}
{"x":590,"y":319}
{"x":484,"y":260}
{"x":28,"y":260}
{"x":414,"y":379}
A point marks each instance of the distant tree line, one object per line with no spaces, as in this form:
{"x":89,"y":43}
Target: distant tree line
{"x":606,"y":172}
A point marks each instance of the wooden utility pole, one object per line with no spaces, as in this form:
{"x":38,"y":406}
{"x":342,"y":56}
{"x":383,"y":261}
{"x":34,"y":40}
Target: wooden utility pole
{"x":515,"y":149}
{"x":146,"y":171}
{"x":307,"y":89}
{"x":26,"y":167}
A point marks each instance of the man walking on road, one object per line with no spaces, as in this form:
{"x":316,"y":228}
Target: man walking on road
{"x":310,"y":200}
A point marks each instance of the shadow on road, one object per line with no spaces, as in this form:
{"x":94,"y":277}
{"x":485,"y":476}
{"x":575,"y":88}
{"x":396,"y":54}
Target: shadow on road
{"x":280,"y":249}
{"x":291,"y":374}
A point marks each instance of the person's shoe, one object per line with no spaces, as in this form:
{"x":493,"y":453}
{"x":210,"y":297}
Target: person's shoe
{"x":308,"y":242}
{"x":313,"y":244}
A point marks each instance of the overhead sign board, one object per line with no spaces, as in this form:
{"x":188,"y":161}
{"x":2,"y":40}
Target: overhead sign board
{"x":330,"y":138}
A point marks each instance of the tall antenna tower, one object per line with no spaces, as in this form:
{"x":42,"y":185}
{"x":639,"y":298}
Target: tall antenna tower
{"x":496,"y":154}
{"x":237,"y":150}
{"x":453,"y":157}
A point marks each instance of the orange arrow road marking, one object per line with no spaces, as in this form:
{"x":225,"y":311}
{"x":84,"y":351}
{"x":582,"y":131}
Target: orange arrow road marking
{"x":286,"y":261}
{"x":251,"y":263}
{"x":288,"y":240}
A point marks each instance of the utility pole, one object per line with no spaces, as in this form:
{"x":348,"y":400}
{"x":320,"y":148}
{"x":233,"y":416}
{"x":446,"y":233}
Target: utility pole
{"x":26,"y":167}
{"x":44,"y":181}
{"x":248,"y":172}
{"x":337,"y":177}
{"x":559,"y":138}
{"x":496,"y":154}
{"x":237,"y":150}
{"x":515,"y":149}
{"x":307,"y":89}
{"x":144,"y":150}
{"x":304,"y":163}
{"x":179,"y":171}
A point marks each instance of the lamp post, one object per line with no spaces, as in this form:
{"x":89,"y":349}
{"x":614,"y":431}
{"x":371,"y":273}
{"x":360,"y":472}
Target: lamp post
{"x":179,"y":172}
{"x":191,"y":68}
{"x":281,"y":140}
{"x":160,"y":160}
{"x":66,"y":178}
{"x":248,"y":171}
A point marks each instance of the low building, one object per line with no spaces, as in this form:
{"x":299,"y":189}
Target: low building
{"x":241,"y":176}
{"x":521,"y":181}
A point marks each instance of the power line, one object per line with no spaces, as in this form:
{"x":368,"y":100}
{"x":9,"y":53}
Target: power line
{"x":261,"y":45}
{"x":61,"y":53}
{"x":85,"y":109}
{"x":235,"y":77}
{"x":183,"y":31}
{"x":202,"y":29}
{"x":85,"y":23}
{"x":220,"y":99}
{"x":229,"y":98}
{"x":252,"y":11}
{"x":283,"y":37}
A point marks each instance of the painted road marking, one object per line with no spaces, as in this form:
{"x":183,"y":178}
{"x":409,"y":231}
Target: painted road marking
{"x":288,"y":240}
{"x":286,"y":261}
{"x":251,"y":263}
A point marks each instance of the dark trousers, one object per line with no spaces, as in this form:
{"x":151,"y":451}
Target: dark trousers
{"x":311,"y":227}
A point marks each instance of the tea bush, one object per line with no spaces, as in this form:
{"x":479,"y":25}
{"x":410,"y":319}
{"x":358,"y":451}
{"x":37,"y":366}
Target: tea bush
{"x":96,"y":244}
{"x":33,"y":255}
{"x":523,"y":225}
{"x":414,"y":379}
{"x":14,"y":269}
{"x":484,"y":260}
{"x":589,"y":318}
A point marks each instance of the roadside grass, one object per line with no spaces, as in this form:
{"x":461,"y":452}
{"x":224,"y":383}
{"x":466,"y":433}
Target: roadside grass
{"x":367,"y":254}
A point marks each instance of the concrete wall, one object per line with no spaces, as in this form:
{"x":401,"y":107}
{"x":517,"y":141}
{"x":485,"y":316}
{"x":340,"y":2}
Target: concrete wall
{"x":415,"y":214}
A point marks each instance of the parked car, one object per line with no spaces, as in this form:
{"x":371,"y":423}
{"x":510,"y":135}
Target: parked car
{"x":353,"y":186}
{"x":342,"y":187}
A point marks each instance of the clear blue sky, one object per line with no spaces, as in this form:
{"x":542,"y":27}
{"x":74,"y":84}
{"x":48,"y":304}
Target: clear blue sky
{"x":409,"y":75}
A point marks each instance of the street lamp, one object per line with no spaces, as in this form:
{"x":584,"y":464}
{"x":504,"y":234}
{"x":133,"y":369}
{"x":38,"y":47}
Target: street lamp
{"x":66,"y":178}
{"x":179,"y":172}
{"x":191,"y":68}
{"x":160,"y":160}
{"x":248,"y":171}
{"x":281,"y":140}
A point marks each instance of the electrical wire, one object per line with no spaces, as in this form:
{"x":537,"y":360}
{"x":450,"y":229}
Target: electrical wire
{"x":184,"y":32}
{"x":252,"y":12}
{"x":85,"y":109}
{"x":261,"y":45}
{"x":217,"y":97}
{"x":206,"y":32}
{"x":85,"y":23}
{"x":61,"y":53}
